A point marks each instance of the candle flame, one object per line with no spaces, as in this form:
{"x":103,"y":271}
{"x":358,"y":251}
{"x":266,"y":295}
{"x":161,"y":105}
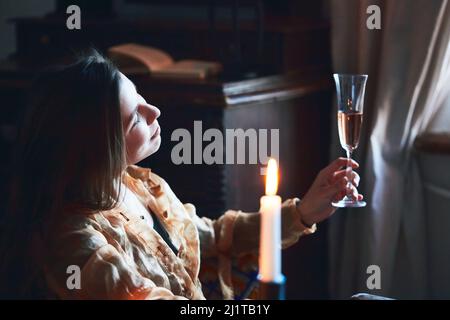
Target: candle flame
{"x":272,"y":177}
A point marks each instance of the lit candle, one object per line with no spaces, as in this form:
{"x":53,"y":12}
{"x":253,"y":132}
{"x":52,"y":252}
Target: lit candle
{"x":270,"y":239}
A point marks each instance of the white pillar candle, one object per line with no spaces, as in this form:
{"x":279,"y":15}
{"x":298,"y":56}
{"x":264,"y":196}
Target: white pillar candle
{"x":270,"y":239}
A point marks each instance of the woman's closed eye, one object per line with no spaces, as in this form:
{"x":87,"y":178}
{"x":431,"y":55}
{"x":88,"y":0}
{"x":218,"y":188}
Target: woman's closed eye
{"x":138,"y":119}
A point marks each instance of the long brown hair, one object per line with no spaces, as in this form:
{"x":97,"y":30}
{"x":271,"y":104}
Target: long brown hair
{"x":70,"y":151}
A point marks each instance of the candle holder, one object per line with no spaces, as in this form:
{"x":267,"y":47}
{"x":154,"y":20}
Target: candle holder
{"x":273,"y":290}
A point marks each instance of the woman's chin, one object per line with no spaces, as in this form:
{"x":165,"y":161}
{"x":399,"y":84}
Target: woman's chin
{"x":157,"y":143}
{"x":154,"y":147}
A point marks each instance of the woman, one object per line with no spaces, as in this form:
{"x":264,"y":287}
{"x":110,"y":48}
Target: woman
{"x":79,"y":202}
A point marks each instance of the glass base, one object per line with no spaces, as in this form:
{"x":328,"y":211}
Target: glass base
{"x":349,"y":203}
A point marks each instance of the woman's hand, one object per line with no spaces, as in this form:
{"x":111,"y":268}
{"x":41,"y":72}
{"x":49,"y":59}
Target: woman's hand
{"x":330,"y":185}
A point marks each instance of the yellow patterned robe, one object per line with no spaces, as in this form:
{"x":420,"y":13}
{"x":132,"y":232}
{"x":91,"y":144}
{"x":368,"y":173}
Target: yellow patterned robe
{"x":121,"y":257}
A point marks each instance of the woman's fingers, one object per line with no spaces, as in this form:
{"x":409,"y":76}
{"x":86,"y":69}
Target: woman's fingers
{"x":339,"y":189}
{"x":343,"y":173}
{"x":353,"y":192}
{"x":331,"y":190}
{"x":337,"y":165}
{"x":340,"y":195}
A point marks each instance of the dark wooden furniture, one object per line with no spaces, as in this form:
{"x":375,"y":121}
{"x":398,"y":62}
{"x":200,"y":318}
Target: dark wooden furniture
{"x":289,"y":44}
{"x":433,"y":143}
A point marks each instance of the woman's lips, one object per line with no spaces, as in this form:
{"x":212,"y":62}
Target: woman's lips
{"x":156,"y":133}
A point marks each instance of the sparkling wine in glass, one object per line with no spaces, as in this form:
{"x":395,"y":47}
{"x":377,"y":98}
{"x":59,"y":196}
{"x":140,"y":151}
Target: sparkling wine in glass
{"x":350,"y":95}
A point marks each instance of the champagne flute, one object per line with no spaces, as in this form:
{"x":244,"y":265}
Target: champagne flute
{"x":350,"y":95}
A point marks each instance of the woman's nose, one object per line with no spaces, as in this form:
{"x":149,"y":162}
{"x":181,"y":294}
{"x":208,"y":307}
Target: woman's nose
{"x":153,"y":113}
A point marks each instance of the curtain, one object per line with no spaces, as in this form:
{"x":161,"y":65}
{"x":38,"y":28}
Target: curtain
{"x":408,"y":64}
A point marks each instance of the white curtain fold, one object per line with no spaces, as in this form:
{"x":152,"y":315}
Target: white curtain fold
{"x":408,"y":63}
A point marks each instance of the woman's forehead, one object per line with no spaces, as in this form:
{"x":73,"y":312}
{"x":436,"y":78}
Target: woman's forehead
{"x":128,"y":96}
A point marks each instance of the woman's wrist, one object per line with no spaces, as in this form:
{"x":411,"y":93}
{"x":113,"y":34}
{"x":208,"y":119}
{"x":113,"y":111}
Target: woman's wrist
{"x":304,"y":219}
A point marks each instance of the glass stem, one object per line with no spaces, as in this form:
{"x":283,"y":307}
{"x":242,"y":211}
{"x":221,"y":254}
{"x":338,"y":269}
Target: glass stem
{"x":349,"y":173}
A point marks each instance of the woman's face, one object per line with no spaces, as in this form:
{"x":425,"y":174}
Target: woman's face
{"x":141,"y":129}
